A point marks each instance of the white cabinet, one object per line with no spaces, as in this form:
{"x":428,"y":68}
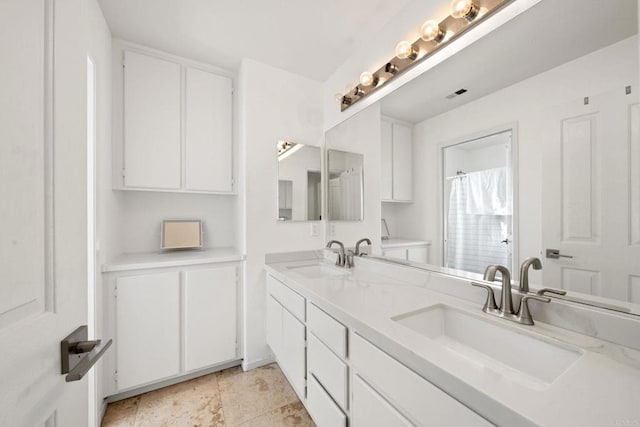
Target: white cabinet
{"x":172,"y":323}
{"x":396,"y":181}
{"x":147,"y":328}
{"x":286,"y":332}
{"x":293,"y":357}
{"x":323,"y":410}
{"x":369,"y":409}
{"x":210,"y":322}
{"x":176,"y":126}
{"x":407,"y":250}
{"x":208,"y":156}
{"x":151,"y":122}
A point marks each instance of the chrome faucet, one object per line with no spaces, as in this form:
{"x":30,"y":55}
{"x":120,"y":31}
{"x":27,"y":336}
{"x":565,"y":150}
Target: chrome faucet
{"x":342,"y":258}
{"x":505,"y":310}
{"x":358,"y":243}
{"x":524,"y":272}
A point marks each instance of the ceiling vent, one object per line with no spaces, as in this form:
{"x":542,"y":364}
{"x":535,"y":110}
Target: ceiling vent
{"x":456,"y":93}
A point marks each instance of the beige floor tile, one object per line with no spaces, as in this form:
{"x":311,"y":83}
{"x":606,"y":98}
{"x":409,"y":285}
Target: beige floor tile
{"x":192,"y":403}
{"x":121,"y":413}
{"x":247,"y":395}
{"x":291,"y":415}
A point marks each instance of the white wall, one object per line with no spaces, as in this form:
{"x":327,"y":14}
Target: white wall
{"x":524,"y":104}
{"x":273,"y":105}
{"x":99,"y":49}
{"x":360,"y":134}
{"x":142,"y":213}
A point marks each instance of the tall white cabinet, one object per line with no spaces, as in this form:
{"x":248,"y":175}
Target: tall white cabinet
{"x":151,"y":122}
{"x":176,"y":126}
{"x":396,"y":169}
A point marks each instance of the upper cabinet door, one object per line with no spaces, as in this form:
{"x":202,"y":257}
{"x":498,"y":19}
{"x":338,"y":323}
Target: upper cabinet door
{"x":208,"y":143}
{"x":402,"y":160}
{"x":151,"y":122}
{"x":386,"y":169}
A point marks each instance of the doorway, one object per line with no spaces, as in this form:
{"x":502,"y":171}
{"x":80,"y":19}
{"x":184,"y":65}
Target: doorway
{"x":477,"y":195}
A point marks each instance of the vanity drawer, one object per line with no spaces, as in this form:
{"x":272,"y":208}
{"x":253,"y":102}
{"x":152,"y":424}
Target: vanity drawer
{"x":289,"y":299}
{"x":323,"y":410}
{"x":328,"y":330}
{"x":328,"y":369}
{"x":418,"y":399}
{"x":369,"y":409}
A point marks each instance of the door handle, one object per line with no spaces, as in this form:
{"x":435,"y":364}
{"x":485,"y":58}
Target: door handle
{"x":78,"y":354}
{"x":505,"y":241}
{"x":555,"y":254}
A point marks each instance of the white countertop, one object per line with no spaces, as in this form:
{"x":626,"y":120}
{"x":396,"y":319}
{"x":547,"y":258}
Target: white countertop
{"x":402,"y":242}
{"x":147,"y":260}
{"x":601,"y":388}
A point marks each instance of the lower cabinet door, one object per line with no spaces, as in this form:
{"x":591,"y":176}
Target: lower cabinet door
{"x":369,"y":409}
{"x":397,"y":253}
{"x":293,"y":357}
{"x":323,"y":411}
{"x":274,"y":327}
{"x":147,"y":328}
{"x":418,"y":254}
{"x":210,"y":318}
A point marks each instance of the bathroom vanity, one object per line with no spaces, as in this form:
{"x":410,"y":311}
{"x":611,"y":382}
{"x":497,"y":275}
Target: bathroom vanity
{"x":383,"y":344}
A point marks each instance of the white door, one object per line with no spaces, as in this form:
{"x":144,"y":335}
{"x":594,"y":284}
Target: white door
{"x":591,"y":196}
{"x":43,"y":239}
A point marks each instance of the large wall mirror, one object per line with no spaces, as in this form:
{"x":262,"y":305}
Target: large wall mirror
{"x":299,"y":182}
{"x":561,"y":79}
{"x":345,"y":186}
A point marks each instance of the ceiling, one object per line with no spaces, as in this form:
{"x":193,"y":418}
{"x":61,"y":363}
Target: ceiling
{"x":307,"y":37}
{"x":546,"y":36}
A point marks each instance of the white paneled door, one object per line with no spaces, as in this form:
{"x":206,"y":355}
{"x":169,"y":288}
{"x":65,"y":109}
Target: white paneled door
{"x":43,"y":261}
{"x":591,"y":196}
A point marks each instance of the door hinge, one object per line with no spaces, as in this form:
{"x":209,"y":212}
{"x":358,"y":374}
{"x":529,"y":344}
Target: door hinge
{"x":115,"y":376}
{"x":115,"y":292}
{"x":124,"y":173}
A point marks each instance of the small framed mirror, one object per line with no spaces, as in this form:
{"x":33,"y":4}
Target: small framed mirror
{"x":345,"y":186}
{"x":299,"y":182}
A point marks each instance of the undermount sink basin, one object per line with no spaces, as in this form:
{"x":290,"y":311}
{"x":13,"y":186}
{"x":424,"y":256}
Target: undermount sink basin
{"x":317,"y":270}
{"x":491,"y":344}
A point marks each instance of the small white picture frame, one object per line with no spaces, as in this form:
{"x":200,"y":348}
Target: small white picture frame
{"x":181,"y":234}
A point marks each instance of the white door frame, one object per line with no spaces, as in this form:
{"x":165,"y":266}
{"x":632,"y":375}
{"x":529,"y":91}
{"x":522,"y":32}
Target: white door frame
{"x":513,"y":128}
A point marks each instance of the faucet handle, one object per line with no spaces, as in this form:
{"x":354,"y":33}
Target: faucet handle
{"x":490,"y":303}
{"x":551,"y":291}
{"x":524,"y":315}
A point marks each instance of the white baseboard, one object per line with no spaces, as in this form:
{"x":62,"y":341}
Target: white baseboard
{"x":247,"y":366}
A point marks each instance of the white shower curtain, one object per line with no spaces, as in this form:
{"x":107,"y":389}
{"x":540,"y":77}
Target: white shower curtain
{"x":351,"y":194}
{"x":479,"y":220}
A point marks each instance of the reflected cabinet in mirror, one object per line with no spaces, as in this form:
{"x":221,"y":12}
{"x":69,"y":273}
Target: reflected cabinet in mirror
{"x":299,"y":182}
{"x":538,"y":157}
{"x":345,"y":186}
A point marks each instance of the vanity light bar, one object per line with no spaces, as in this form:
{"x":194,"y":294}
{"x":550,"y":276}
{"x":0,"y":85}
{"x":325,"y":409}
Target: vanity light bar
{"x":433,"y":38}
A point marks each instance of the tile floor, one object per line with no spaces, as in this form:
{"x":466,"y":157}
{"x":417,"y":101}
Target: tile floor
{"x":258,"y":398}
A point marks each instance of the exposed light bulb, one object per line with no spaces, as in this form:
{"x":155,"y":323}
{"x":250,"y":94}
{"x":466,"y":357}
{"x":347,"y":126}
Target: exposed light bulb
{"x":404,"y":50}
{"x":431,"y":31}
{"x":368,"y":79}
{"x":466,"y":9}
